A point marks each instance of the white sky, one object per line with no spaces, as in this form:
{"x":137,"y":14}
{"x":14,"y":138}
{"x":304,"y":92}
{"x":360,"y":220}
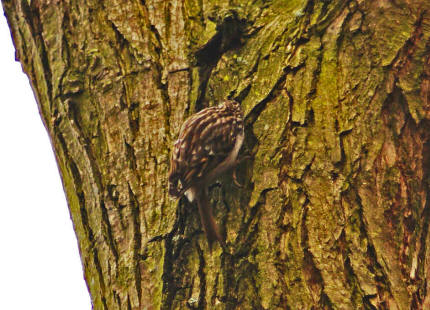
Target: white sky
{"x":40,"y":266}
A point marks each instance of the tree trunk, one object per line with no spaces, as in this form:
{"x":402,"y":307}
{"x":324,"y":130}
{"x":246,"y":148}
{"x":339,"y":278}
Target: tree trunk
{"x":334,"y":212}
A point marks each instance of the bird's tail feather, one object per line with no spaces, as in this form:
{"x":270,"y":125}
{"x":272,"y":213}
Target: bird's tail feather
{"x":208,"y":222}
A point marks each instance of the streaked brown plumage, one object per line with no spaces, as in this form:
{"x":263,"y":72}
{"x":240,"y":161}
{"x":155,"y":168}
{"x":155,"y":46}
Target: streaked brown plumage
{"x":208,"y":144}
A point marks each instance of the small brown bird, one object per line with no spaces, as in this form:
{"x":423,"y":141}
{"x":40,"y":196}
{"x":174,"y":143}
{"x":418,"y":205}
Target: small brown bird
{"x":208,"y":144}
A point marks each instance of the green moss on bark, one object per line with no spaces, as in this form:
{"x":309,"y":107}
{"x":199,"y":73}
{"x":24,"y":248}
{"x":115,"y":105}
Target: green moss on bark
{"x":333,"y":212}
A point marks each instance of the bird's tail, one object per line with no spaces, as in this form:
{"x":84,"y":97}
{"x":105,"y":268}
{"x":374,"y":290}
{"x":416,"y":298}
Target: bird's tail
{"x":208,"y":222}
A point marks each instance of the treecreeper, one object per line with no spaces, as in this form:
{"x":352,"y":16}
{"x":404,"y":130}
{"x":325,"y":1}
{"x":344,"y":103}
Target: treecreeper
{"x":208,"y":145}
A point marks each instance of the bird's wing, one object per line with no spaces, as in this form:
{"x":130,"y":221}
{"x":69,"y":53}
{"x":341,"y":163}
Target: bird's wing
{"x":205,"y":140}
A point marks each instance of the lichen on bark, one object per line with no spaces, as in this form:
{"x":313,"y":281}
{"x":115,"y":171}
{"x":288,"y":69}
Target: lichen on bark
{"x":334,"y":209}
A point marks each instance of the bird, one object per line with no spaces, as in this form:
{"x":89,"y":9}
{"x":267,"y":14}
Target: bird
{"x":207,"y":146}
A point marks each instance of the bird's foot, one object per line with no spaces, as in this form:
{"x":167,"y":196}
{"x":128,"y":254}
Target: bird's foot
{"x":238,"y":162}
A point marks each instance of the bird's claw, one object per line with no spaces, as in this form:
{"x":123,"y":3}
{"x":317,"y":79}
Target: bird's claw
{"x":238,"y":162}
{"x":235,"y":180}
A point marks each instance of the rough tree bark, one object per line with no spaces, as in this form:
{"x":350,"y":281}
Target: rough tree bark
{"x":335,"y":211}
